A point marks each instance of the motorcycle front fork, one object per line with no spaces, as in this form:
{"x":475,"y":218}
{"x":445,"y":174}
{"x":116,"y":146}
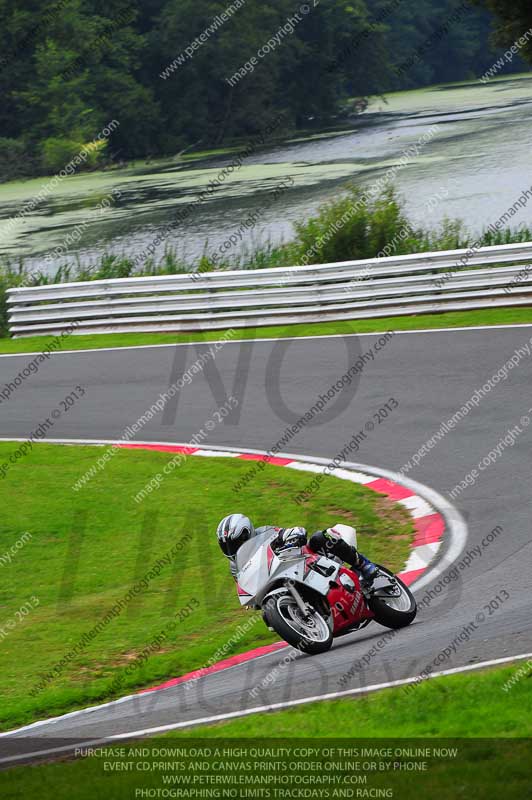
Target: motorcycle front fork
{"x":290,"y":585}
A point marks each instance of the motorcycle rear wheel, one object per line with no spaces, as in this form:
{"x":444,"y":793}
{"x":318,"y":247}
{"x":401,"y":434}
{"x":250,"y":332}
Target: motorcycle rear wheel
{"x":312,"y":635}
{"x":396,"y":610}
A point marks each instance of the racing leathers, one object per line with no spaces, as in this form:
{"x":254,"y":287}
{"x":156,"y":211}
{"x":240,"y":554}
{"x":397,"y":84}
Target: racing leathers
{"x":323,"y":542}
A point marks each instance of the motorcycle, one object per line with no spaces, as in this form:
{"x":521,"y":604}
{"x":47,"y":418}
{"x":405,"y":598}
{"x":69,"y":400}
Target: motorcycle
{"x":310,"y":599}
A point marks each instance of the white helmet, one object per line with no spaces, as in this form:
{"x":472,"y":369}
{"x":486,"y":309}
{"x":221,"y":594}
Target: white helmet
{"x":232,"y":532}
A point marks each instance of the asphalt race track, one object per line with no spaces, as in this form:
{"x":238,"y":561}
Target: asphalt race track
{"x":431,"y":375}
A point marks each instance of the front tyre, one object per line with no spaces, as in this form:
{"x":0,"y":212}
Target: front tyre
{"x":394,"y":606}
{"x":310,"y":634}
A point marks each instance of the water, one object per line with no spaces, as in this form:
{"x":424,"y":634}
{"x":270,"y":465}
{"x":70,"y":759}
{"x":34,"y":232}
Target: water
{"x":474,"y":168}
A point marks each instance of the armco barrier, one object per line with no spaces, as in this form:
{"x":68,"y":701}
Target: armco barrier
{"x":412,"y":284}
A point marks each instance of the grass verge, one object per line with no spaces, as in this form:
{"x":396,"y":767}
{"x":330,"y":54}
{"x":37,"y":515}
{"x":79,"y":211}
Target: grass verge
{"x":455,"y":709}
{"x":456,"y":706}
{"x":89,"y":548}
{"x":458,"y":319}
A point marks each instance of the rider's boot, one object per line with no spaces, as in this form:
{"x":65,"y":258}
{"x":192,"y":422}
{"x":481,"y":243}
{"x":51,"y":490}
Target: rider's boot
{"x":367,"y":569}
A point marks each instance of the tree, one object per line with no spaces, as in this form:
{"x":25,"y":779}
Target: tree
{"x":514,"y":21}
{"x":174,"y":73}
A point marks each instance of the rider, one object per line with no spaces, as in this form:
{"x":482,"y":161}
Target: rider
{"x":236,"y":529}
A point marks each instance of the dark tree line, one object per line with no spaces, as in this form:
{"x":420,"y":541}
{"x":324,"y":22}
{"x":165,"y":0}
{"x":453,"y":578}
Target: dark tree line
{"x":513,"y":20}
{"x":68,"y":68}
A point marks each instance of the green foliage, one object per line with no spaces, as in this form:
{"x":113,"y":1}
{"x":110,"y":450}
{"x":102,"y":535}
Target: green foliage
{"x":437,"y":42}
{"x":16,"y":160}
{"x":11,"y":276}
{"x":514,"y":20}
{"x":355,"y":227}
{"x":163,"y":68}
{"x":58,"y":152}
{"x":349,"y":228}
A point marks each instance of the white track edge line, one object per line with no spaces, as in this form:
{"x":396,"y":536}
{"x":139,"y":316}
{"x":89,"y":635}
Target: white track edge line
{"x":456,"y":526}
{"x":270,"y":339}
{"x":268,"y":708}
{"x":138,"y":695}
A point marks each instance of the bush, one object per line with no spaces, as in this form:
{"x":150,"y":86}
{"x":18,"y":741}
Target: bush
{"x":346,"y":229}
{"x":58,"y":152}
{"x":10,"y":277}
{"x":354,"y":227}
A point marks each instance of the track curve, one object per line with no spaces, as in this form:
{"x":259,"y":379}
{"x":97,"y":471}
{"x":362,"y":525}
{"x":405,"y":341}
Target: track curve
{"x":430,"y":375}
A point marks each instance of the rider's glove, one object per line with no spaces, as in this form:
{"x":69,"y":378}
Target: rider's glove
{"x":331,"y":539}
{"x":291,"y":537}
{"x":333,"y":544}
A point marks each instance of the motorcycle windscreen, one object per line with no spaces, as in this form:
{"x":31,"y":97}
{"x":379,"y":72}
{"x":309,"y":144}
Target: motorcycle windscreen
{"x":252,"y":564}
{"x":250,"y":547}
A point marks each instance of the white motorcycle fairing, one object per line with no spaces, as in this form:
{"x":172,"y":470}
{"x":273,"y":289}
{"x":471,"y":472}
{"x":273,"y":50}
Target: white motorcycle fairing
{"x":259,"y":569}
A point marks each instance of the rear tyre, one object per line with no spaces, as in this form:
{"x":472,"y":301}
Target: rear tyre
{"x":311,"y":635}
{"x":395,"y":607}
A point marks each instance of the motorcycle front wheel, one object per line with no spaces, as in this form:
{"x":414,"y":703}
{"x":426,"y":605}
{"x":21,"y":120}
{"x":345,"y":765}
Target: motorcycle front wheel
{"x":310,"y":634}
